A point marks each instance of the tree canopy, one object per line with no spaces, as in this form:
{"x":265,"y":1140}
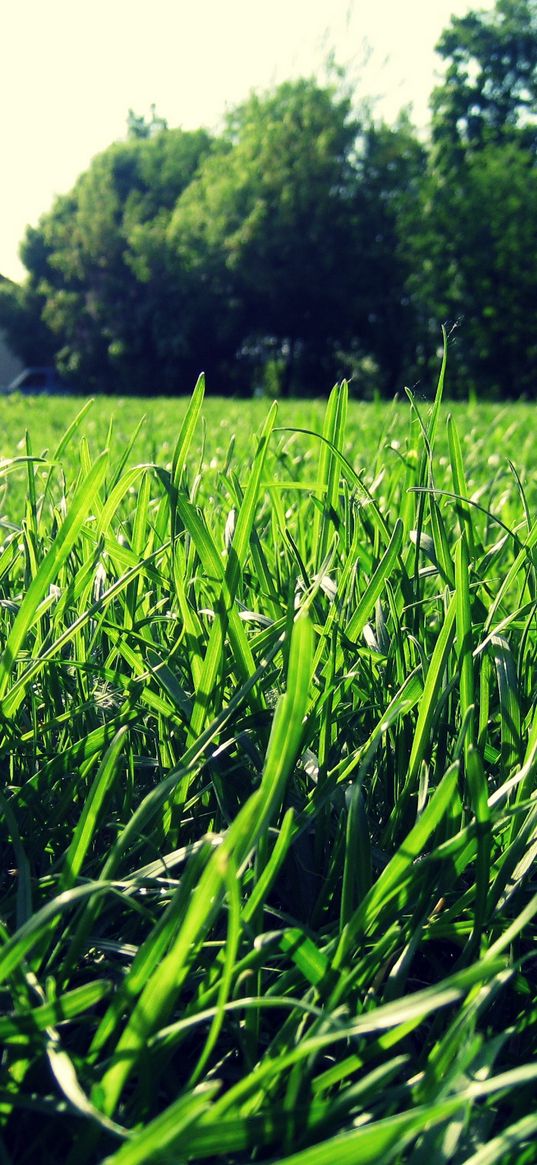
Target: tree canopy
{"x":489,"y":92}
{"x":268,"y":224}
{"x":305,"y":241}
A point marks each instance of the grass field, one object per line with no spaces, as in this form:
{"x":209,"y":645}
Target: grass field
{"x":268,"y":737}
{"x":490,"y":435}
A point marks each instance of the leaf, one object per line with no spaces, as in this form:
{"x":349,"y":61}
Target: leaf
{"x":50,"y":566}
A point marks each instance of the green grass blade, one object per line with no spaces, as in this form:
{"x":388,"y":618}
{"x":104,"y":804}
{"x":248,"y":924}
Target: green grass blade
{"x":235,"y":564}
{"x":374,"y":587}
{"x":459,"y":484}
{"x":166,"y":1132}
{"x":428,"y":707}
{"x":387,"y":883}
{"x":187,"y":430}
{"x":156,"y":1000}
{"x":61,"y":1010}
{"x":107,"y":773}
{"x":464,"y":641}
{"x":510,"y":712}
{"x":50,"y":566}
{"x":502,"y":1147}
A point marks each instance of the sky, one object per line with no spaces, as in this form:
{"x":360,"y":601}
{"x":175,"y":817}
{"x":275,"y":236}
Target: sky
{"x":70,"y":71}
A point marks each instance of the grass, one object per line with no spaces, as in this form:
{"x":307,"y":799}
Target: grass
{"x":269,"y":740}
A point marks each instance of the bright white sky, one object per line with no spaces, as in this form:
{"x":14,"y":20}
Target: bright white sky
{"x":69,"y":72}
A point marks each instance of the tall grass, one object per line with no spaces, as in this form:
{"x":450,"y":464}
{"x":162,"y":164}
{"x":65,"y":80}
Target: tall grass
{"x":269,"y":821}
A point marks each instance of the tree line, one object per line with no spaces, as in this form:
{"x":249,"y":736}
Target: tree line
{"x":306,"y":241}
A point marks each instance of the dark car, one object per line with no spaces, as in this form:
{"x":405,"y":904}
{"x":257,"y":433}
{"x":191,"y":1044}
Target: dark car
{"x":36,"y":380}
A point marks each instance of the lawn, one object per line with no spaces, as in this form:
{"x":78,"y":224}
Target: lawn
{"x":268,"y":739}
{"x":490,"y":434}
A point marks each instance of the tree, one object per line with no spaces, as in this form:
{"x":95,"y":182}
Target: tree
{"x":392,"y":163}
{"x":139,"y":127}
{"x":478,"y":208}
{"x":83,"y":257}
{"x":489,"y":92}
{"x":276,"y":251}
{"x":20,"y":319}
{"x":479,"y":228}
{"x":266,"y":227}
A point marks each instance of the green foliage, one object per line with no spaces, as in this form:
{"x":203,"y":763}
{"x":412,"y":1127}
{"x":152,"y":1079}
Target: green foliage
{"x":84,"y":262}
{"x":478,"y":203}
{"x":270,"y":217}
{"x":278,"y":245}
{"x":139,"y":127}
{"x":481,"y":224}
{"x":20,"y":319}
{"x":489,"y":93}
{"x":304,"y":241}
{"x":391,"y":169}
{"x":268,"y":735}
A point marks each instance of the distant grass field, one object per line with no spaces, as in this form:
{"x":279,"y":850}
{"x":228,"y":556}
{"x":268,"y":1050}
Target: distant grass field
{"x":268,"y":742}
{"x":490,"y":434}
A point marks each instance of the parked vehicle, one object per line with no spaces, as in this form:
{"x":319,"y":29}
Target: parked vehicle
{"x":38,"y":380}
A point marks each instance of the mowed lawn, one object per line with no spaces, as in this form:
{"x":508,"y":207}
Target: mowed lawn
{"x":490,"y":434}
{"x":268,"y":743}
